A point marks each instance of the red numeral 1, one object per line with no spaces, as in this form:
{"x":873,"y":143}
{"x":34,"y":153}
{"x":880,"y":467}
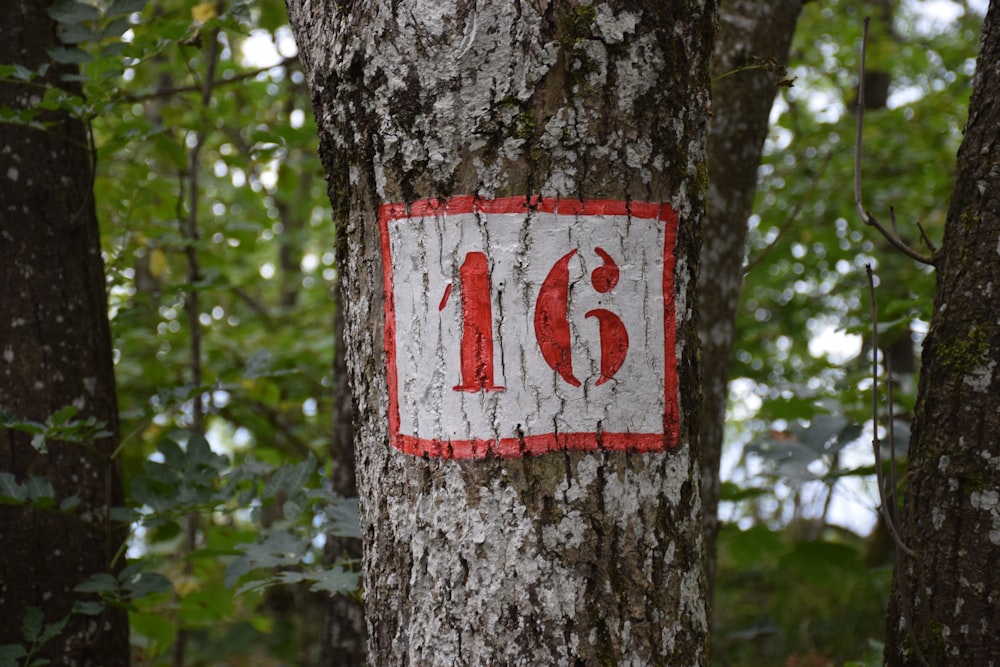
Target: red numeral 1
{"x":476,"y":349}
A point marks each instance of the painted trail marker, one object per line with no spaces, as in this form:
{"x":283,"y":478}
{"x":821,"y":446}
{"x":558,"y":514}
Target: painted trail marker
{"x":523,"y":326}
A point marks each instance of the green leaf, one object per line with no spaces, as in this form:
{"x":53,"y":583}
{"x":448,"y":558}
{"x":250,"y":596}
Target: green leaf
{"x":279,"y":549}
{"x":113,"y":50}
{"x":291,"y":510}
{"x":70,"y":11}
{"x":334,"y":581}
{"x":40,"y":491}
{"x":165,"y":531}
{"x":290,"y":479}
{"x":116,"y":28}
{"x":145,"y":584}
{"x":53,"y":629}
{"x":235,"y":571}
{"x":69,"y":503}
{"x":199,"y":452}
{"x":99,"y":583}
{"x":22,"y":73}
{"x":118,"y":7}
{"x":255,"y":585}
{"x":821,"y":431}
{"x":71,"y":56}
{"x":38,"y":442}
{"x":257,"y":364}
{"x":31,"y":625}
{"x":123,"y":514}
{"x":173,"y":455}
{"x":344,"y":519}
{"x":77,"y":33}
{"x":88,"y":607}
{"x":63,"y":415}
{"x":10,"y":490}
{"x":10,"y":654}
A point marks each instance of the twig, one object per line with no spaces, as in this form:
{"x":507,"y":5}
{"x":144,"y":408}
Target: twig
{"x":866,"y":216}
{"x":894,"y":508}
{"x":198,"y":88}
{"x":890,"y":516}
{"x":927,"y":240}
{"x":880,"y":478}
{"x":191,"y":305}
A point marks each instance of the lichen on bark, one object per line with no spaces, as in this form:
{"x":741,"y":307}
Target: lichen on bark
{"x":944,"y":598}
{"x":572,"y":557}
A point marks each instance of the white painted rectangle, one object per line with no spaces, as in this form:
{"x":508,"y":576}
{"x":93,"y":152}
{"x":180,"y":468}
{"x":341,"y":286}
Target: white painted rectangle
{"x":527,"y":387}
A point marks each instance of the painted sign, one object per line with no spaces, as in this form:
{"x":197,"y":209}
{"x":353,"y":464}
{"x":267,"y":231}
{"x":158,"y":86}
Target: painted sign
{"x":521,"y":326}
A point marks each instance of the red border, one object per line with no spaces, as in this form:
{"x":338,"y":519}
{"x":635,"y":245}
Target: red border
{"x":535,"y":445}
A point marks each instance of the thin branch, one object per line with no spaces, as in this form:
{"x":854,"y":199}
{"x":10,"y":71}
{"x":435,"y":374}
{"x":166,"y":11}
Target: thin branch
{"x":191,"y":304}
{"x":894,"y":508}
{"x":200,"y":87}
{"x":927,"y":241}
{"x":865,"y":215}
{"x":890,"y":516}
{"x":876,"y":445}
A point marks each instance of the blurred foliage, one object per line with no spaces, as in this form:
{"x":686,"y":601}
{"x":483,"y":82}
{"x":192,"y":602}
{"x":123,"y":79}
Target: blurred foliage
{"x":804,"y":565}
{"x":227,"y":526}
{"x":227,"y":519}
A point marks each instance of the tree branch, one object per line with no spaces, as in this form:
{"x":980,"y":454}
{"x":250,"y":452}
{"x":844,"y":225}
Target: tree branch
{"x":866,"y":216}
{"x":199,"y":88}
{"x":889,"y":514}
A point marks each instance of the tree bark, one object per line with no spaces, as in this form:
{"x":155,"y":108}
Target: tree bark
{"x":947,"y":591}
{"x":750,"y":32}
{"x":542,"y":542}
{"x":55,"y":351}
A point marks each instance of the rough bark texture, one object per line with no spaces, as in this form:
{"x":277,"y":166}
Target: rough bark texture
{"x":568,"y":558}
{"x":55,"y":351}
{"x":749,"y":31}
{"x":950,"y":588}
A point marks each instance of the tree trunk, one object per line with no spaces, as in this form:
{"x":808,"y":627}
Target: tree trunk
{"x":521,"y":186}
{"x":55,"y":351}
{"x":947,"y":591}
{"x":750,"y":32}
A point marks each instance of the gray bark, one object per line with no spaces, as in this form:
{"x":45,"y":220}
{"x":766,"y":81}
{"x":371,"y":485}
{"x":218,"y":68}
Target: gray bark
{"x":570,"y":557}
{"x":750,"y":31}
{"x":945,"y":595}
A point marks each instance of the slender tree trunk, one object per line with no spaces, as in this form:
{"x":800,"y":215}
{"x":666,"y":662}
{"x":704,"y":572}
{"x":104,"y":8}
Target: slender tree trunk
{"x":751,"y":32}
{"x":947,"y":591}
{"x":55,"y":351}
{"x":520,"y":186}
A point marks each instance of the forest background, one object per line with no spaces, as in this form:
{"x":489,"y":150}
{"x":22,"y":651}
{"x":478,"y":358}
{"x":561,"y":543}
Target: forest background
{"x":242,"y":524}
